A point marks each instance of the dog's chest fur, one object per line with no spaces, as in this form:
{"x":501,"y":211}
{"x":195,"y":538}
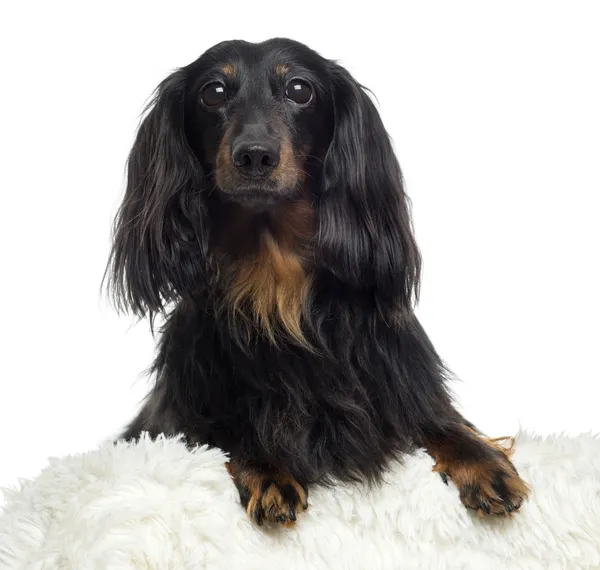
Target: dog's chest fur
{"x":324,"y":415}
{"x":266,"y":264}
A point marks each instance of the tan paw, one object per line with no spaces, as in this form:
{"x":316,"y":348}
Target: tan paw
{"x":270,"y":495}
{"x":489,"y":485}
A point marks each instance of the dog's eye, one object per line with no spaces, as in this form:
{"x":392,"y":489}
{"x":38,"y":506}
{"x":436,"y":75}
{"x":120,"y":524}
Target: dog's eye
{"x":214,"y":94}
{"x":299,"y":91}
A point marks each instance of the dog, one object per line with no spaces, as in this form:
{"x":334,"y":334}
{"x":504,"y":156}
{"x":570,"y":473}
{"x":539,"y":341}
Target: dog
{"x":266,"y":221}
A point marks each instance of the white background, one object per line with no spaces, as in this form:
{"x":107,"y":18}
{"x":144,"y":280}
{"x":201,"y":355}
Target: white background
{"x":495,"y":113}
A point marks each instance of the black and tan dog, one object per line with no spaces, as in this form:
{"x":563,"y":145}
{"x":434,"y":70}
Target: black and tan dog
{"x":265,"y":216}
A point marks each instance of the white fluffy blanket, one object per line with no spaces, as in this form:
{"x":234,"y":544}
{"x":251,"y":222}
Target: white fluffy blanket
{"x":155,"y":505}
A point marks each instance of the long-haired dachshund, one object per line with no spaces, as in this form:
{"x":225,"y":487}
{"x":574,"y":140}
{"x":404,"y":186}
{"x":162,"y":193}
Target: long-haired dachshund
{"x":265,"y":218}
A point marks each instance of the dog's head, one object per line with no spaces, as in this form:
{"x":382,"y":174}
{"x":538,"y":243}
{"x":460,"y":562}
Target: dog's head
{"x":259,"y":127}
{"x":258,"y":117}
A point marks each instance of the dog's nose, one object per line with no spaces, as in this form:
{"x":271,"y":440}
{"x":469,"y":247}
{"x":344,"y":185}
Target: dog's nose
{"x":255,"y":159}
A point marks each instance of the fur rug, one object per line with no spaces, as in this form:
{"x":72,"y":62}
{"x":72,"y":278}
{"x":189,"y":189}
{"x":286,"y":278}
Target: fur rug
{"x":155,"y":505}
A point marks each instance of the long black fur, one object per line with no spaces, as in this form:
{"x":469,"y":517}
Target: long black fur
{"x":373,"y":387}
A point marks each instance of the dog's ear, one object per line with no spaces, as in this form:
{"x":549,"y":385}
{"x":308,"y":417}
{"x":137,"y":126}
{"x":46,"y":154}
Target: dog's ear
{"x":365,"y":238}
{"x":160,"y":237}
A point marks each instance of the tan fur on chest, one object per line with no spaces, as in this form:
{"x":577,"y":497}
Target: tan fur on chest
{"x":268,"y":286}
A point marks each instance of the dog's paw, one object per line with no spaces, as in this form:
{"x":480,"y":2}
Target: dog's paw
{"x":490,"y":486}
{"x":269,"y":496}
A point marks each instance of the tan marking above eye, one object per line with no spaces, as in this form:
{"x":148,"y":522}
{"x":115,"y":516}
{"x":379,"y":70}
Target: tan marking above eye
{"x":228,"y":69}
{"x":281,"y":69}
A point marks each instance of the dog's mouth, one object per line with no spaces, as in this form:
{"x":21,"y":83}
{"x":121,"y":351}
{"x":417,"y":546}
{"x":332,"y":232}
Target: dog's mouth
{"x":283,"y":184}
{"x":257,"y":194}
